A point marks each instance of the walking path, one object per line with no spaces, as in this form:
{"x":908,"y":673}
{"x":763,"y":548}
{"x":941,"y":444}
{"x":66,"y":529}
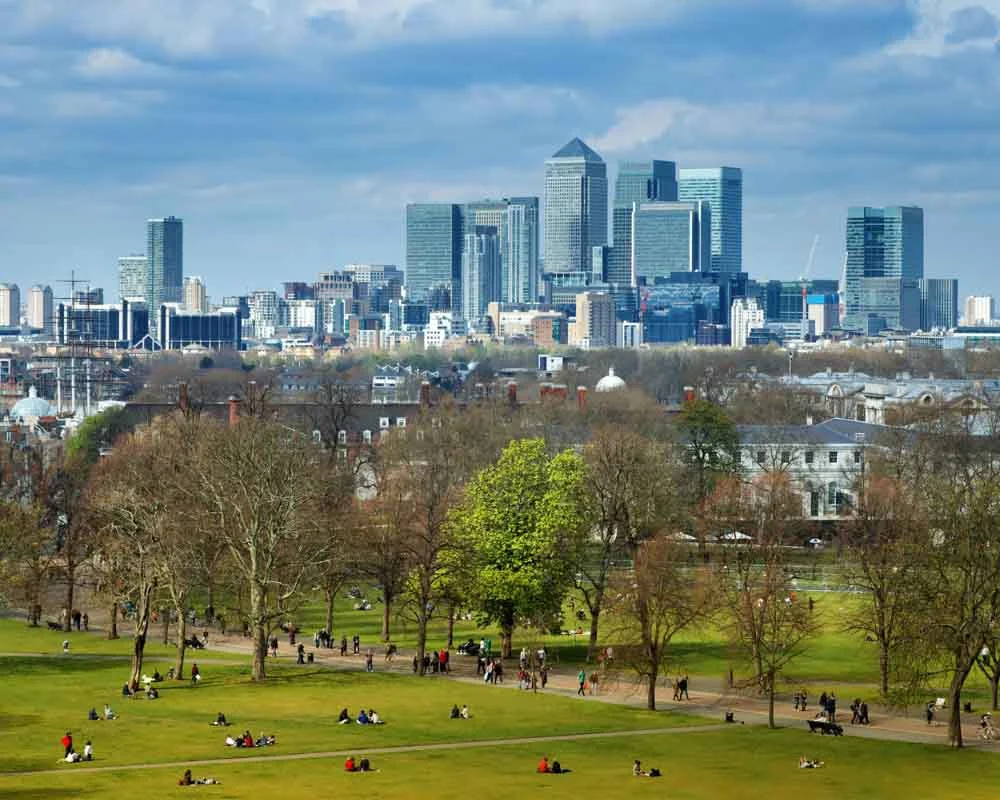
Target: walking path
{"x":407,"y":748}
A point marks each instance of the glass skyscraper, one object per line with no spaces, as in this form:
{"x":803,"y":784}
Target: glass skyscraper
{"x":637,"y":182}
{"x":883,"y":244}
{"x":722,"y":188}
{"x":132,"y":278}
{"x":516,"y":222}
{"x":670,"y":237}
{"x":434,"y":250}
{"x":576,"y":208}
{"x":164,"y":264}
{"x":481,"y":273}
{"x":938,"y":303}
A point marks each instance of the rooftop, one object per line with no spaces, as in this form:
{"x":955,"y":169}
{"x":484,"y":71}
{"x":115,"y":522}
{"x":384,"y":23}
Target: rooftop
{"x":577,"y":148}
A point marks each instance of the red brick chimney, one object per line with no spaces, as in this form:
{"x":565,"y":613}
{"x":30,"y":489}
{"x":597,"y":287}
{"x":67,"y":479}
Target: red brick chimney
{"x":581,"y":397}
{"x":512,"y":393}
{"x":688,"y":394}
{"x":234,"y":409}
{"x":425,"y":394}
{"x":183,"y":402}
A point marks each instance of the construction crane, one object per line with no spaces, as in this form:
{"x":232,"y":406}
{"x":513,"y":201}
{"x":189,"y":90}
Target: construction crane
{"x":804,"y":282}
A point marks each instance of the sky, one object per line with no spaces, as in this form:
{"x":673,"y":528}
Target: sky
{"x":290,"y":134}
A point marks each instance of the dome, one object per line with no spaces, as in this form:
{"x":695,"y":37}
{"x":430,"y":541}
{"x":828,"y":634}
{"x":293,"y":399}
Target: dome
{"x":610,"y":382}
{"x":31,"y":407}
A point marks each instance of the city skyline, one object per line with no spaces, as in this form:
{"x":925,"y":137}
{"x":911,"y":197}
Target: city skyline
{"x":366,"y":113}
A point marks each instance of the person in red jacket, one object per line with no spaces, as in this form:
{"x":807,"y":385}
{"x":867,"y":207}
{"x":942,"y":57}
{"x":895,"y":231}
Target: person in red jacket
{"x":349,"y":765}
{"x":67,"y":743}
{"x":543,"y":765}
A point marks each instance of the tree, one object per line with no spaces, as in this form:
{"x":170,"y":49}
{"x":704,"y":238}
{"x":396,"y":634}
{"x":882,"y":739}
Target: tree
{"x":66,"y":517}
{"x":95,"y":433}
{"x":656,"y":600}
{"x":27,"y":547}
{"x":627,"y":498}
{"x":521,"y":522}
{"x":262,"y":488}
{"x":765,"y":620}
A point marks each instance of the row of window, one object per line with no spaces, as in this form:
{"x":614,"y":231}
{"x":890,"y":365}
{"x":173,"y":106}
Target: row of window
{"x":809,"y":457}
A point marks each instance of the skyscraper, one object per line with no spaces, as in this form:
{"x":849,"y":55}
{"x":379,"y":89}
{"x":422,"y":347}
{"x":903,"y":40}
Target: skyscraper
{"x":10,"y":305}
{"x":165,"y":265}
{"x":481,"y":273}
{"x":670,"y":237}
{"x":595,"y":320}
{"x":637,"y":182}
{"x":516,"y":223}
{"x":576,"y":208}
{"x":938,"y":303}
{"x":722,"y":187}
{"x":434,"y":250}
{"x":979,"y":310}
{"x":40,"y":308}
{"x":744,"y":316}
{"x":195,"y":296}
{"x":885,"y":260}
{"x":132,"y":277}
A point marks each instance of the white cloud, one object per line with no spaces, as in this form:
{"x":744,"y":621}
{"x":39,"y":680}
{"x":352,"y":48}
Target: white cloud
{"x":113,"y":62}
{"x":91,"y":105}
{"x":943,"y":27}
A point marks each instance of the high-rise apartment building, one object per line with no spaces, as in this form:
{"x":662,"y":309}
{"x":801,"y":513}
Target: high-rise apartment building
{"x":670,"y":237}
{"x":938,"y":303}
{"x":195,"y":295}
{"x":595,"y":320}
{"x":10,"y":305}
{"x":263,"y":313}
{"x":132,"y":277}
{"x":41,"y":309}
{"x":722,"y":189}
{"x":576,"y":208}
{"x":481,"y":273}
{"x":885,"y":261}
{"x":434,"y":250}
{"x":744,"y":316}
{"x":979,"y":310}
{"x":164,"y":264}
{"x":638,"y":182}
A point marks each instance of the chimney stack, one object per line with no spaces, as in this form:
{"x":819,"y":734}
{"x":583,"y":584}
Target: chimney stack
{"x":183,"y":402}
{"x":425,"y":394}
{"x":581,"y":398}
{"x":688,"y":394}
{"x":512,"y":393}
{"x":234,"y":409}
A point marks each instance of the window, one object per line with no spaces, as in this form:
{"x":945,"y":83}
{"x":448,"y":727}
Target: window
{"x":760,"y":457}
{"x":383,"y":423}
{"x":317,"y":437}
{"x":366,"y":437}
{"x":420,"y":436}
{"x":814,"y":504}
{"x":400,"y":422}
{"x":857,"y":456}
{"x":833,"y":456}
{"x":786,"y":457}
{"x":831,"y":495}
{"x":342,"y":455}
{"x":810,"y":457}
{"x":341,"y":437}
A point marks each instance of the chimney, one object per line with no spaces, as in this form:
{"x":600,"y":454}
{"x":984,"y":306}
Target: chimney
{"x":234,"y":409}
{"x":688,"y":394}
{"x":581,"y":397}
{"x":183,"y":401}
{"x":425,"y":394}
{"x":512,"y":393}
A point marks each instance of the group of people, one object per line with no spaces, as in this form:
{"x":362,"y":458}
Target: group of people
{"x":552,"y":766}
{"x":828,"y":707}
{"x":859,"y":712}
{"x":70,"y":756}
{"x":681,"y":688}
{"x":109,"y":714}
{"x":437,"y":662}
{"x":247,"y":740}
{"x":492,"y":669}
{"x":457,"y":713}
{"x":369,"y":717}
{"x":639,"y":772}
{"x":188,"y":780}
{"x":352,"y":765}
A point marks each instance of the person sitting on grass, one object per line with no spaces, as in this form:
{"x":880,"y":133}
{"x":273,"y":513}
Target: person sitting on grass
{"x":344,"y":717}
{"x":808,"y":763}
{"x":108,"y":713}
{"x":126,"y":691}
{"x":363,"y":718}
{"x":349,"y":765}
{"x":88,"y":751}
{"x":465,"y":712}
{"x":374,"y":718}
{"x":543,"y":765}
{"x":231,"y":742}
{"x":455,"y":713}
{"x":92,"y":714}
{"x":364,"y":765}
{"x":557,"y":768}
{"x":157,"y":677}
{"x":73,"y":757}
{"x":265,"y":740}
{"x":152,"y":693}
{"x":220,"y":721}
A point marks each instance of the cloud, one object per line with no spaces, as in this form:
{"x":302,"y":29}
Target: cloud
{"x":113,"y":62}
{"x":945,"y":27}
{"x":95,"y":105}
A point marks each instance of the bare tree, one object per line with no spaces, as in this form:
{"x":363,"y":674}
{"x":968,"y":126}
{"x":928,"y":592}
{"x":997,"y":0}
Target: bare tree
{"x":65,"y":515}
{"x":26,"y":567}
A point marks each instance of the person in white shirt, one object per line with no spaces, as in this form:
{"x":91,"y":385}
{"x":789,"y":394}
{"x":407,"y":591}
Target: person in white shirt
{"x":88,"y":751}
{"x":108,"y":713}
{"x":465,"y":712}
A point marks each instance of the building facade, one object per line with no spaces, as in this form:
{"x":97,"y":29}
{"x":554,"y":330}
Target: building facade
{"x":668,"y":238}
{"x":220,"y":330}
{"x":576,"y":207}
{"x":745,"y":315}
{"x":103,"y":326}
{"x":722,"y":189}
{"x":195,"y":295}
{"x":595,"y":320}
{"x":637,"y":182}
{"x":10,"y":305}
{"x":883,"y":244}
{"x":938,"y":303}
{"x":979,"y":310}
{"x":132,"y":277}
{"x":164,"y":263}
{"x":433,"y":250}
{"x":264,"y":313}
{"x":41,"y":309}
{"x":481,"y":274}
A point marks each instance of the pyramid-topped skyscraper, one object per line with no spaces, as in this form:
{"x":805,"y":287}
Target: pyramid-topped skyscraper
{"x":576,"y":208}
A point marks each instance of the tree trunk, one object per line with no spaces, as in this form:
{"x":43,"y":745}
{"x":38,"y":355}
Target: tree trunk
{"x":181,"y":636}
{"x":139,"y":639}
{"x":113,"y":625}
{"x":330,"y":596}
{"x":595,"y":616}
{"x":166,"y":623}
{"x":770,"y":700}
{"x":386,"y":610}
{"x":422,"y":619}
{"x":506,"y":637}
{"x":883,"y":669}
{"x":995,"y":688}
{"x":955,"y":712}
{"x":70,"y":585}
{"x":258,"y":615}
{"x":451,"y":626}
{"x":654,"y":674}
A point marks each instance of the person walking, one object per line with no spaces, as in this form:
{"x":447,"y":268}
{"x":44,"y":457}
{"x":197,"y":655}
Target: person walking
{"x":370,"y":660}
{"x":581,"y":679}
{"x":357,"y":644}
{"x":67,"y":743}
{"x":343,"y":645}
{"x":684,"y":689}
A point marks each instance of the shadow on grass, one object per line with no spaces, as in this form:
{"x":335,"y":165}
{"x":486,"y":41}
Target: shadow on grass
{"x":9,"y":722}
{"x":12,"y":666}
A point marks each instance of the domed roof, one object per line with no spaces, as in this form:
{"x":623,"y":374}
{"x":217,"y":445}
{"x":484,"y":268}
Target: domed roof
{"x":610,"y":382}
{"x":31,"y":407}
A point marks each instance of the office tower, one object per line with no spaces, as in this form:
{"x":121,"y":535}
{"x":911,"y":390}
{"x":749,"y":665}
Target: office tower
{"x":822,"y":312}
{"x":263,"y":313}
{"x":722,"y":188}
{"x":576,"y":207}
{"x":219,"y":330}
{"x":165,"y":265}
{"x":10,"y":305}
{"x":744,"y":316}
{"x":132,"y":277}
{"x":374,"y":273}
{"x":979,"y":310}
{"x":481,"y":273}
{"x":516,"y":222}
{"x":88,"y":297}
{"x":670,"y":237}
{"x":885,"y":260}
{"x":782,"y":300}
{"x":297,"y":290}
{"x":938,"y":303}
{"x":637,"y":182}
{"x":104,"y":326}
{"x":195,"y":296}
{"x":595,"y":320}
{"x":434,"y":250}
{"x":40,"y":309}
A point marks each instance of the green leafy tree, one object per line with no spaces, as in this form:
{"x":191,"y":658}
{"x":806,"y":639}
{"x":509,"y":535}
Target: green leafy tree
{"x":522,"y":522}
{"x":711,"y":445}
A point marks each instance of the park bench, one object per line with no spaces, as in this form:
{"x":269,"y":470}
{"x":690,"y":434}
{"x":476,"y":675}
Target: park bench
{"x":824,"y":727}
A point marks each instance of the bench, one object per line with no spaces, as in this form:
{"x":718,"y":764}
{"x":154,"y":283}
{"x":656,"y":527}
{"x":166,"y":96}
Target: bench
{"x":824,"y":727}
